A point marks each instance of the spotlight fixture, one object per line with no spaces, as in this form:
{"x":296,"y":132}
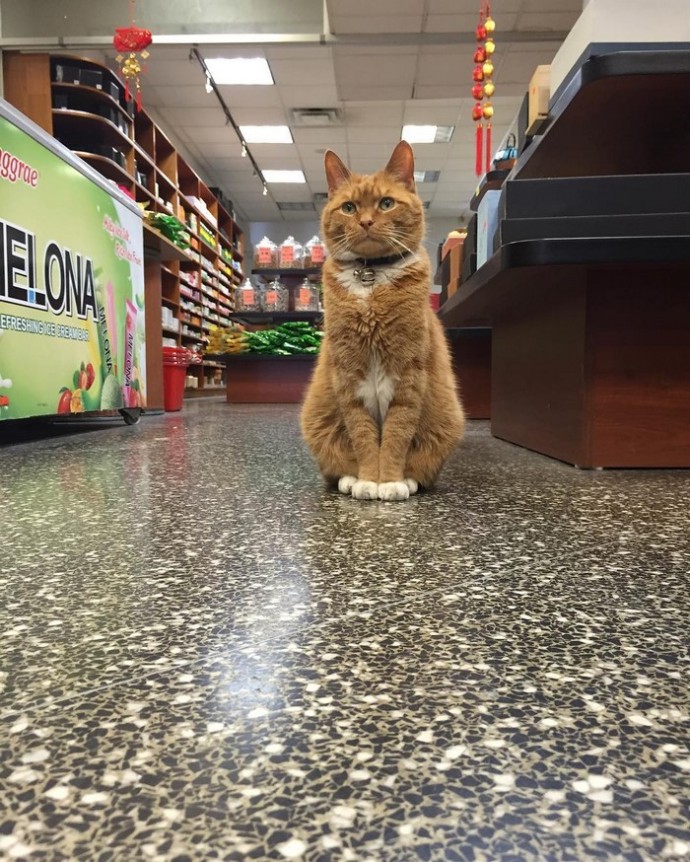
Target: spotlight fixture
{"x":209,"y":86}
{"x":244,"y":150}
{"x":265,"y":191}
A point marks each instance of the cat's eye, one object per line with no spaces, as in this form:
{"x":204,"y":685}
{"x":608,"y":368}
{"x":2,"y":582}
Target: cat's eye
{"x":349,"y":208}
{"x":386,"y":203}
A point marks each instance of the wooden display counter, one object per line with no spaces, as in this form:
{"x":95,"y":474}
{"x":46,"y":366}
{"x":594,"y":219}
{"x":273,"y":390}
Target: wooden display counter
{"x":591,"y":348}
{"x":255,"y":379}
{"x":591,"y":334}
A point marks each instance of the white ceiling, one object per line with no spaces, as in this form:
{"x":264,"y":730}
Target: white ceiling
{"x":385,"y":63}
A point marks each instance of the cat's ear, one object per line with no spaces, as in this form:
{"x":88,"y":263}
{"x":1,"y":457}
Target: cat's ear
{"x":401,"y":165}
{"x":336,"y":172}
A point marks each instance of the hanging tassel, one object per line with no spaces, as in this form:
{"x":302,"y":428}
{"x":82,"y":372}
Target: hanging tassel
{"x":488,"y":147}
{"x":138,"y":98}
{"x":479,"y":147}
{"x":127,"y":93}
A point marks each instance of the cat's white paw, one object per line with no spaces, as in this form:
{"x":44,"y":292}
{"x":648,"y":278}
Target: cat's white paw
{"x":346,"y":484}
{"x":394,"y":491}
{"x":413,"y":486}
{"x":362,"y":490}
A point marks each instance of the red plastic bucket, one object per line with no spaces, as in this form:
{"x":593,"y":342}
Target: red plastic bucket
{"x":176,"y":361}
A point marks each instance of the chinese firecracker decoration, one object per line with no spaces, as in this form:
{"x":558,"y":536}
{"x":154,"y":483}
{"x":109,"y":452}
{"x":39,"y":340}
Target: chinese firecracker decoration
{"x":484,"y":87}
{"x":132,"y":43}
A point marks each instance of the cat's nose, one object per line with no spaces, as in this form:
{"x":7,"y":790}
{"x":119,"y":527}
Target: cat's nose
{"x":366,"y":222}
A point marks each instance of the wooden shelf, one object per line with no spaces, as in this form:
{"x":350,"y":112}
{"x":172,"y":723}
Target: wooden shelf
{"x":93,"y":92}
{"x":256,"y":317}
{"x":105,"y":166}
{"x":89,"y":119}
{"x":169,"y":331}
{"x":621,"y":89}
{"x":159,"y":247}
{"x":294,"y":273}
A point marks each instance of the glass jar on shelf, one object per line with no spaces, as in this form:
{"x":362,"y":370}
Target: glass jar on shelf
{"x":275,"y":297}
{"x":265,"y":254}
{"x":314,"y":253}
{"x":247,"y":297}
{"x":291,"y":254}
{"x":307,"y":297}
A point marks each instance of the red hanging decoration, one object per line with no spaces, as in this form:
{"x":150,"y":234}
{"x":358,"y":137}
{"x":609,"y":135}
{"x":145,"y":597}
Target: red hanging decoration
{"x":483,"y":88}
{"x":132,"y":41}
{"x":488,"y":147}
{"x":479,"y":147}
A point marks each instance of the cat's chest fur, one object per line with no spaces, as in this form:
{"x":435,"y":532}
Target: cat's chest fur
{"x":377,"y":389}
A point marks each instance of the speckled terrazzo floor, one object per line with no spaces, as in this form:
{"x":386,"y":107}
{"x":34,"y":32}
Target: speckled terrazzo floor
{"x":205,"y":656}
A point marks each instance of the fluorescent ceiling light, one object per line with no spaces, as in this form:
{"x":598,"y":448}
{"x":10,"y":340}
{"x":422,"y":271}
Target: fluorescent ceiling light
{"x":266,"y":134}
{"x":284,"y":176}
{"x":240,"y":70}
{"x":426,"y":176}
{"x":427,"y":134}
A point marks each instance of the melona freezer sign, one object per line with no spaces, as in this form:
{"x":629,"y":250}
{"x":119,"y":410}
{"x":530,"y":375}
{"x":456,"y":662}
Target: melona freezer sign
{"x":72,"y":335}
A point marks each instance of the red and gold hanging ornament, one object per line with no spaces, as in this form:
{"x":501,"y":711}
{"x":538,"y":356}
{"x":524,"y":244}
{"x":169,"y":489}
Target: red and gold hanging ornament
{"x":484,"y":87}
{"x":132,"y":41}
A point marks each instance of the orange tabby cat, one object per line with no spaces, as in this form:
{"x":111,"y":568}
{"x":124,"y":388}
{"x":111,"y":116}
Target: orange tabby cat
{"x":382,"y":413}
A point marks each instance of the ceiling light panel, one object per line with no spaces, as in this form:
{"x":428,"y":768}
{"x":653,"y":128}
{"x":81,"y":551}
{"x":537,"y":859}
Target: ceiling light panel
{"x":266,"y":134}
{"x":240,"y":71}
{"x":283,"y":176}
{"x":427,"y":134}
{"x":426,"y":176}
{"x":296,"y":206}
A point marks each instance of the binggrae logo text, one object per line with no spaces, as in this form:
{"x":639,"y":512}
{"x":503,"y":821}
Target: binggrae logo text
{"x":15,"y":170}
{"x":53,"y":278}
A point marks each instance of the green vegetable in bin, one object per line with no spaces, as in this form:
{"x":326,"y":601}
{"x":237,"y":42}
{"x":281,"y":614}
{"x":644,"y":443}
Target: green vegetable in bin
{"x":289,"y":339}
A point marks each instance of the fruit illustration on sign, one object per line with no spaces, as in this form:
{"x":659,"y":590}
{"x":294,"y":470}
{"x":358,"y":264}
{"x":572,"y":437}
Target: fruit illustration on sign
{"x":65,"y":400}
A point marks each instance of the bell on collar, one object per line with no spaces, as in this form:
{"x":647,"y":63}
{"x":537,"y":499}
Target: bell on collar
{"x":365,"y":274}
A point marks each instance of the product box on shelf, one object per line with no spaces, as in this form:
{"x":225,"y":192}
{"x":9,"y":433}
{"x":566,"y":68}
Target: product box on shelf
{"x":487,"y":224}
{"x":538,"y":99}
{"x":67,"y":74}
{"x":602,"y":195}
{"x":91,"y":78}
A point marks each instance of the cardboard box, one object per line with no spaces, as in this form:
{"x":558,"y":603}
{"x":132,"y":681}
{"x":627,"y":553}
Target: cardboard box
{"x":451,"y":266}
{"x":451,"y":242}
{"x":538,"y":99}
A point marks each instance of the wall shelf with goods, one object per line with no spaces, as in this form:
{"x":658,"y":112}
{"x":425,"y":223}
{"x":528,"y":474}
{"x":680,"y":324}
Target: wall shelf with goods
{"x":82,"y":103}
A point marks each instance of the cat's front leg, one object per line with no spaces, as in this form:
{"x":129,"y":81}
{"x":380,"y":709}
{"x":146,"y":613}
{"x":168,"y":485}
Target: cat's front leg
{"x":398,"y":430}
{"x":364,"y":436}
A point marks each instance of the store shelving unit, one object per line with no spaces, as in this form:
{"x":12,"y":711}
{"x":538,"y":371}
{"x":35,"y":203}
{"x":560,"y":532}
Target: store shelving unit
{"x":255,"y":378}
{"x":82,"y":103}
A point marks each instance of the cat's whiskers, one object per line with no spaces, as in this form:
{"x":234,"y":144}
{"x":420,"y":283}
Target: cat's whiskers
{"x":395,"y":241}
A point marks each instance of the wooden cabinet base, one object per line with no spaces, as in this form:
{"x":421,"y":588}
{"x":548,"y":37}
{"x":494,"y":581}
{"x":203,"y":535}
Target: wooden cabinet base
{"x":268,"y":379}
{"x":592,"y":366}
{"x":471,"y":354}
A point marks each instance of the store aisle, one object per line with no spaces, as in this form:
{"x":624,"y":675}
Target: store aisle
{"x":203,"y":655}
